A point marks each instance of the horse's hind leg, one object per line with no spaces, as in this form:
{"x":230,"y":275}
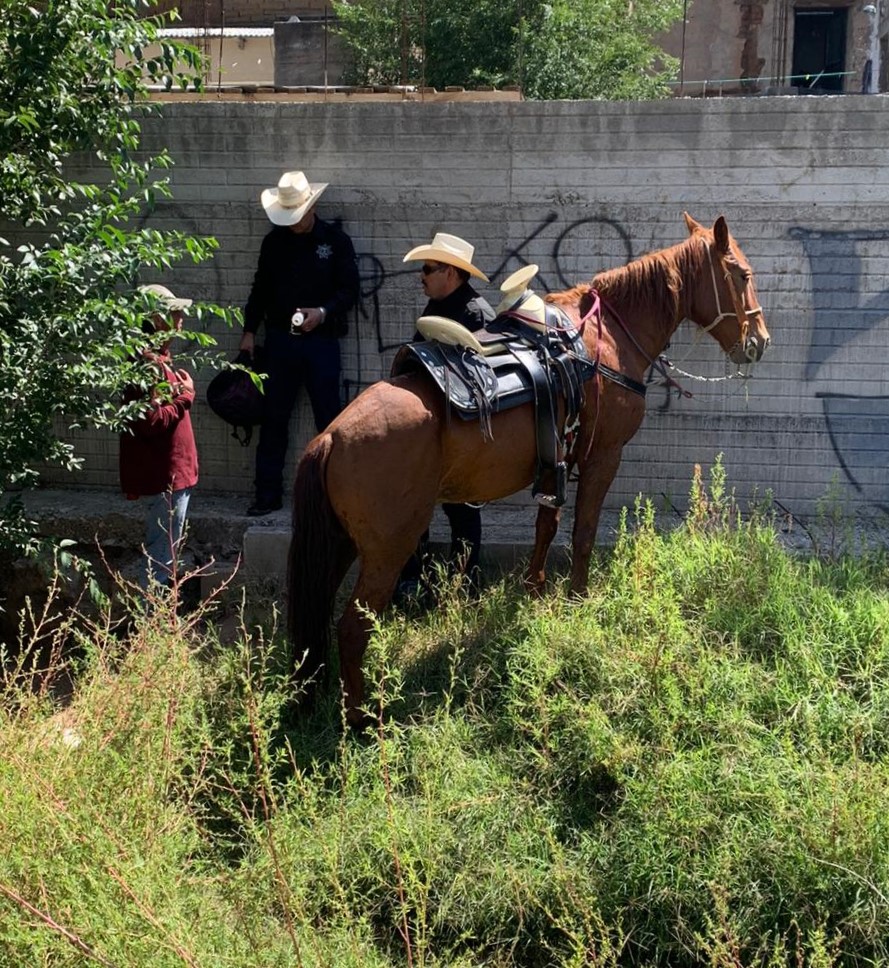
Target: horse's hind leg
{"x":372,"y":593}
{"x":545,"y":529}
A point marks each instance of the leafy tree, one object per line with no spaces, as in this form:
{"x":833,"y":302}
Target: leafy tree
{"x":599,"y":49}
{"x":70,"y":313}
{"x":554,"y":49}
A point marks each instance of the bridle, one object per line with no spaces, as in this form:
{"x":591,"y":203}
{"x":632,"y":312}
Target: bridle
{"x":662,"y":362}
{"x":740,"y":313}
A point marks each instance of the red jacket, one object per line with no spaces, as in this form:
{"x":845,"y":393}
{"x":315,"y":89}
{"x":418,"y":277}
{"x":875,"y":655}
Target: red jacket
{"x":159,"y":452}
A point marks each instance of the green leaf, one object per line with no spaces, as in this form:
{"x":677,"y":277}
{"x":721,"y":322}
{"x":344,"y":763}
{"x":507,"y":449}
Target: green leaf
{"x":70,"y":321}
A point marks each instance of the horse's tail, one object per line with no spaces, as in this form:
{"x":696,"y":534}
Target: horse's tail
{"x":318,"y":545}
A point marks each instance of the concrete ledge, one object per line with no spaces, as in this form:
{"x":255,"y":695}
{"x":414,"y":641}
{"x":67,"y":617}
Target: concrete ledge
{"x":265,"y":552}
{"x":219,"y":529}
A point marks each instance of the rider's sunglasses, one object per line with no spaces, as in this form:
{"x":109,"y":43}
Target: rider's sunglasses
{"x":427,"y":269}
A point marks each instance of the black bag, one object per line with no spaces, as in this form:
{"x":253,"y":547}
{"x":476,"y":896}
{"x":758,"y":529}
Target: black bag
{"x":234,"y":396}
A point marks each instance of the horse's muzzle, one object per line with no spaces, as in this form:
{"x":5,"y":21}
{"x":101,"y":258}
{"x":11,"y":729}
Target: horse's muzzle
{"x":750,"y":351}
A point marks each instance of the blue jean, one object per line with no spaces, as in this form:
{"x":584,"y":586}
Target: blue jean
{"x":164,"y":526}
{"x":293,"y":361}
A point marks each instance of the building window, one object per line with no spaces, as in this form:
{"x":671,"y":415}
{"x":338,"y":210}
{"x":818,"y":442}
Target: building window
{"x":819,"y":49}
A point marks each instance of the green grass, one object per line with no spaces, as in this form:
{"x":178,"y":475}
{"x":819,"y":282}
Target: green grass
{"x":689,"y":766}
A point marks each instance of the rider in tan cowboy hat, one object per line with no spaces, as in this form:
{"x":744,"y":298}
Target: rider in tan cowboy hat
{"x":446,"y":270}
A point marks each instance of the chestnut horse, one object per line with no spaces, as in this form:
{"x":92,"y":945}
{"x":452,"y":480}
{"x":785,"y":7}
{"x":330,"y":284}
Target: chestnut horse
{"x":366,"y":486}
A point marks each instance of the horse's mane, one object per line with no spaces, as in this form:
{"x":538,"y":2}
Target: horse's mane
{"x":650,"y":286}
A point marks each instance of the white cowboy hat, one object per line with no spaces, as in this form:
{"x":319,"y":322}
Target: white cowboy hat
{"x":165,"y":297}
{"x":294,"y":196}
{"x":450,"y":249}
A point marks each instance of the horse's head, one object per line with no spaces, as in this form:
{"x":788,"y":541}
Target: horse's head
{"x":725,"y":303}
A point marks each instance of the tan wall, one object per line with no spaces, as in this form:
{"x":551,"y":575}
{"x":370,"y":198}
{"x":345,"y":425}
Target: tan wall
{"x":236,"y":13}
{"x":243,"y":60}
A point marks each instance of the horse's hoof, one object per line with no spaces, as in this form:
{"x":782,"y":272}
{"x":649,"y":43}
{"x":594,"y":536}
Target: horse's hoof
{"x":361,"y":721}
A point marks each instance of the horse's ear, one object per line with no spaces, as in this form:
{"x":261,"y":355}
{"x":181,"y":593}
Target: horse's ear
{"x":693,"y":224}
{"x":720,"y":234}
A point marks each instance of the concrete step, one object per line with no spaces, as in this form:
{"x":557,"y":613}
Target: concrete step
{"x":219,"y":529}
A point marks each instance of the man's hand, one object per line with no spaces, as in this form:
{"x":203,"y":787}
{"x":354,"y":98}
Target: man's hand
{"x":248,"y":340}
{"x":186,"y":383}
{"x":314,"y":317}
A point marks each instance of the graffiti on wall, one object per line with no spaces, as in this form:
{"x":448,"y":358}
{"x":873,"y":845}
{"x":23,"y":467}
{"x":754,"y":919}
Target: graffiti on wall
{"x":573,"y":253}
{"x":844,"y":309}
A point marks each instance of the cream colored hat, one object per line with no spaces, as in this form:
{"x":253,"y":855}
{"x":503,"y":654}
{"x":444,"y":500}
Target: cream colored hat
{"x":517,"y":297}
{"x":165,"y":297}
{"x":450,"y":249}
{"x":294,"y":196}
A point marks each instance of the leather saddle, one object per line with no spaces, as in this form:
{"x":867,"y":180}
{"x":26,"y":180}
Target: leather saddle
{"x":513,"y":361}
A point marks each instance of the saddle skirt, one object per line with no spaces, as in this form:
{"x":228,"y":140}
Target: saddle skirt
{"x":516,"y":356}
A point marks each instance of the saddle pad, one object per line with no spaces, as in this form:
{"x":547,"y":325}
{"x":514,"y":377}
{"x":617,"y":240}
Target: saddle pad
{"x":462,"y":375}
{"x":501,"y":381}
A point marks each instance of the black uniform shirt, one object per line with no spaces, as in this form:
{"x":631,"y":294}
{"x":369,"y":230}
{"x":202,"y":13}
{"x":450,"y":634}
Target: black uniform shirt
{"x":464,"y":305}
{"x":310,"y":269}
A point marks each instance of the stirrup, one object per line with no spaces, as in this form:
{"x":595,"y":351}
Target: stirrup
{"x":558,"y":499}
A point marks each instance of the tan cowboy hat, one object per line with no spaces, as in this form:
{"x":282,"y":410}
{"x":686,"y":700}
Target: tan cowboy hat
{"x":294,"y":196}
{"x":448,"y":331}
{"x":450,"y":249}
{"x":165,"y":297}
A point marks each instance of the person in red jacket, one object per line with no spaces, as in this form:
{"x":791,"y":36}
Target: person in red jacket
{"x":158,"y":456}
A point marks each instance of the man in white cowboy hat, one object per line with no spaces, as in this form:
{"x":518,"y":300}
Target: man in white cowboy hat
{"x":445,"y":273}
{"x":305,"y":284}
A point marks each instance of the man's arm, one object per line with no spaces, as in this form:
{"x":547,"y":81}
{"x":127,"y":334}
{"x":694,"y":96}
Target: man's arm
{"x":477,"y":313}
{"x":346,"y":285}
{"x":257,"y":301}
{"x":163,"y":415}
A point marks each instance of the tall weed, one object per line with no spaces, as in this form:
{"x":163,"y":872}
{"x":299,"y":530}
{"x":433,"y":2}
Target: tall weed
{"x":686,"y":767}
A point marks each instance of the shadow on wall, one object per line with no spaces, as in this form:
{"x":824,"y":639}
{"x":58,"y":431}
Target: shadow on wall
{"x":856,"y":423}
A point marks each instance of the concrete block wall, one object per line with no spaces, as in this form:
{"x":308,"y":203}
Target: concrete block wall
{"x":577,"y":187}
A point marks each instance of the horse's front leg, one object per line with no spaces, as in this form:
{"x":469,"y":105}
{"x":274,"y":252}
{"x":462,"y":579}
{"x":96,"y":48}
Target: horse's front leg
{"x":545,"y":530}
{"x":593,"y":484}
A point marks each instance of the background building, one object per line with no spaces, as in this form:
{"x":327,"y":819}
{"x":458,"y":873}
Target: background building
{"x":262,"y":42}
{"x":733,"y":47}
{"x":780,"y":47}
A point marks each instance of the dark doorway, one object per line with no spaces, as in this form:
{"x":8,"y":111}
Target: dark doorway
{"x":819,"y":50}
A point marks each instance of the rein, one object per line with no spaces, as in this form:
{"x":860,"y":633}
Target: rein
{"x":659,"y":364}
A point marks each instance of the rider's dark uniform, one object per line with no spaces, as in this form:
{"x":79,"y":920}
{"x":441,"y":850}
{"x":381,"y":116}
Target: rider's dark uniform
{"x":466,"y":306}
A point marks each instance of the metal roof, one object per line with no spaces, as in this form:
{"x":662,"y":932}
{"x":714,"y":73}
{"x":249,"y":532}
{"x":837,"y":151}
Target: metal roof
{"x":189,"y":33}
